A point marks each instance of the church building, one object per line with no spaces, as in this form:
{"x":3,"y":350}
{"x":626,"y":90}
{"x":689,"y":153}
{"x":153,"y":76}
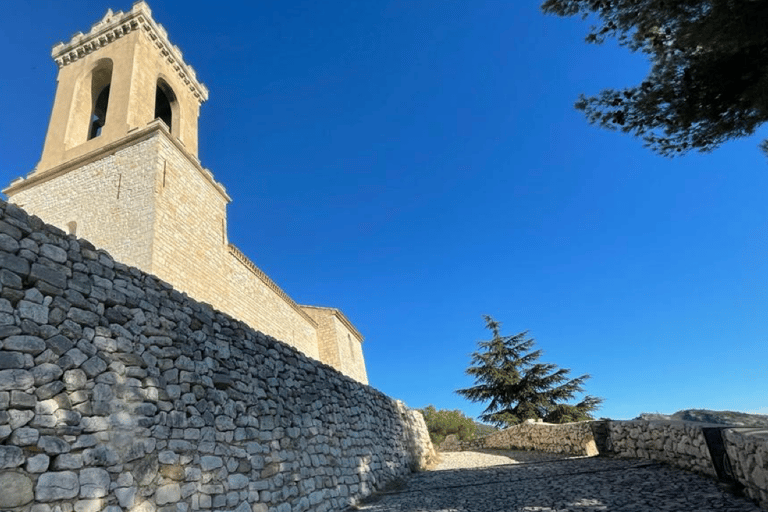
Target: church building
{"x":120,"y":168}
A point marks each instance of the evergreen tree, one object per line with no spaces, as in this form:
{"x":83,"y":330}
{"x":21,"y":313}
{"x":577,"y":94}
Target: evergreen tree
{"x":708,"y":76}
{"x":442,"y":422}
{"x":518,"y":387}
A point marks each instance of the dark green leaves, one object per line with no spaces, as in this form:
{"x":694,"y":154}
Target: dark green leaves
{"x":508,"y":375}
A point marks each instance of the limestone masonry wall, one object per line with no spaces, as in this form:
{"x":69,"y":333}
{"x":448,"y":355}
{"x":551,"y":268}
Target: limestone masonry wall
{"x":121,"y":184}
{"x":118,"y":392}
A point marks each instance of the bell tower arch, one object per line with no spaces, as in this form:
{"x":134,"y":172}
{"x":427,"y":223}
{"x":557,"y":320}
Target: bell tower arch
{"x":109,"y":84}
{"x":123,"y":125}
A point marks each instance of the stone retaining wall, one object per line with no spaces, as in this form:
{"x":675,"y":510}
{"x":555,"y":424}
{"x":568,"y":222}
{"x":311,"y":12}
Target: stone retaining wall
{"x":119,"y":393}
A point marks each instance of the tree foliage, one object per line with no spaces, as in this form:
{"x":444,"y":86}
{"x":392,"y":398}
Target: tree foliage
{"x":708,"y":80}
{"x":508,"y":375}
{"x":442,"y":422}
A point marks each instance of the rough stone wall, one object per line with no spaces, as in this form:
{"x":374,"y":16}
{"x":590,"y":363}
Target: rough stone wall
{"x":117,"y":392}
{"x":681,"y":444}
{"x":748,"y":455}
{"x":566,"y":438}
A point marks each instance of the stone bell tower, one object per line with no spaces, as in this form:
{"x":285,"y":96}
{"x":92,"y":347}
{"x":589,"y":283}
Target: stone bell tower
{"x":120,"y":169}
{"x":122,"y":128}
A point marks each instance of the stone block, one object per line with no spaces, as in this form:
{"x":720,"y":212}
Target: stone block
{"x":24,"y":343}
{"x":16,"y":490}
{"x":53,"y":445}
{"x":67,"y":461}
{"x":45,"y":373}
{"x":56,"y":486}
{"x":12,"y":360}
{"x":170,"y":493}
{"x":22,"y":400}
{"x":126,"y":496}
{"x":24,"y":436}
{"x":10,"y":457}
{"x":94,"y":483}
{"x":38,"y":464}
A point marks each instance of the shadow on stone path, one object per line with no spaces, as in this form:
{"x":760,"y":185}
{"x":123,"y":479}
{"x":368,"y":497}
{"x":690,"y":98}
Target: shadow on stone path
{"x":572,"y":485}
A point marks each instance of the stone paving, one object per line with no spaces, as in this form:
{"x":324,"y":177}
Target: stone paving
{"x":536,"y":482}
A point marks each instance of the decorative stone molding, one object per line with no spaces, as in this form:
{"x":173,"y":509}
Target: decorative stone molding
{"x":115,"y":25}
{"x":247,"y":263}
{"x":137,"y":135}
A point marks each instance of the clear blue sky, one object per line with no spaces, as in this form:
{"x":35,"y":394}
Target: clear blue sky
{"x":419,"y":164}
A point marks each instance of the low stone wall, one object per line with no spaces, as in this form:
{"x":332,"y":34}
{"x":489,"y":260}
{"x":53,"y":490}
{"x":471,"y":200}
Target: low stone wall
{"x":566,"y":438}
{"x":748,"y":455}
{"x":119,"y":393}
{"x":681,"y":444}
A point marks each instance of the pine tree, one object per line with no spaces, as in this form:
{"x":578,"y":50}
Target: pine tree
{"x":518,"y":387}
{"x":708,"y":75}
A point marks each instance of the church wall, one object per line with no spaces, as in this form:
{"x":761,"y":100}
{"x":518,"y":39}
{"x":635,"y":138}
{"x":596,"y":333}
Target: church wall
{"x":117,"y":392}
{"x":140,"y":192}
{"x":192,"y":252}
{"x":327,"y":342}
{"x":189,"y":232}
{"x":254,"y":300}
{"x":350,"y":352}
{"x":337,"y":344}
{"x":120,"y":184}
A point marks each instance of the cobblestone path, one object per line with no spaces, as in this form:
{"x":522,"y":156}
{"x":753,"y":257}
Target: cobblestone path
{"x":531,"y":482}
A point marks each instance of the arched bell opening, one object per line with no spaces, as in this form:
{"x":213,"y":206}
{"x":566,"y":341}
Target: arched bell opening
{"x":166,"y":106}
{"x":101,"y":79}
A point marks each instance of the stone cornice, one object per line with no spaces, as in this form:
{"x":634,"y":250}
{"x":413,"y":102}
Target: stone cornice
{"x":135,"y":136}
{"x":342,"y":318}
{"x":242,"y":258}
{"x":113,"y":26}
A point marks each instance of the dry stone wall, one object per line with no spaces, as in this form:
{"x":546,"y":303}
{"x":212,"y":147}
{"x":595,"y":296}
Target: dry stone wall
{"x":566,"y":438}
{"x":681,"y":444}
{"x":117,"y":392}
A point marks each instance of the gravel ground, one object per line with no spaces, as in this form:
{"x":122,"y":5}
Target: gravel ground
{"x":482,"y":459}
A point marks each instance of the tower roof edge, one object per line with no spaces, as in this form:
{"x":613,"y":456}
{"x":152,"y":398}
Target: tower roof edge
{"x":115,"y":25}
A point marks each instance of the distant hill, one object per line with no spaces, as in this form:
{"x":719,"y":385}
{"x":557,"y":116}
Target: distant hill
{"x":735,"y":419}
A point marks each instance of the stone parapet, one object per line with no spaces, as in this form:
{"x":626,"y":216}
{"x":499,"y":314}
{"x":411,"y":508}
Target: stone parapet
{"x":681,"y":444}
